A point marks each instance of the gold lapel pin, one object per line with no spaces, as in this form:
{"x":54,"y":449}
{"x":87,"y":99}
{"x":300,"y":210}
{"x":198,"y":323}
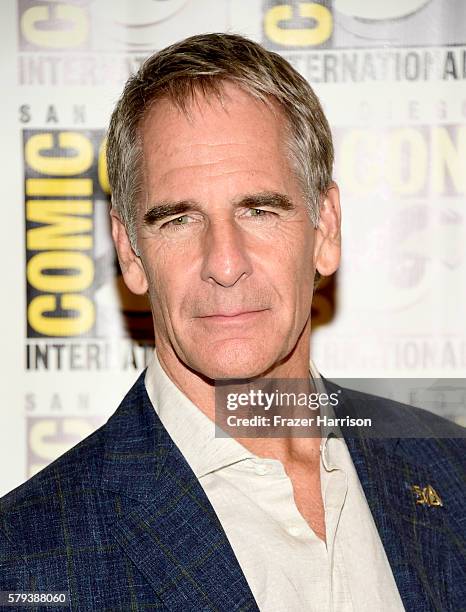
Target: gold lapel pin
{"x":427,"y":495}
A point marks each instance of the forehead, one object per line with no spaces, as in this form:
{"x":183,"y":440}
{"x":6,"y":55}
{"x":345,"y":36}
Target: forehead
{"x":213,"y":127}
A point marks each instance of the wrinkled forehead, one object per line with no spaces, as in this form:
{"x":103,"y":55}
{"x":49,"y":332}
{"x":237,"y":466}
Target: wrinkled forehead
{"x":221,"y":115}
{"x":225,"y":144}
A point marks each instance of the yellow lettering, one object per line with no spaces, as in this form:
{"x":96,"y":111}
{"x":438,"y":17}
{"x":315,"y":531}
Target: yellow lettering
{"x":63,"y":228}
{"x":299,"y":37}
{"x":446,"y":156}
{"x":407,"y":161}
{"x":46,"y":438}
{"x":60,"y":261}
{"x":102,"y":168}
{"x":77,"y":156}
{"x":61,"y":326}
{"x":37,"y":26}
{"x":59,"y":187}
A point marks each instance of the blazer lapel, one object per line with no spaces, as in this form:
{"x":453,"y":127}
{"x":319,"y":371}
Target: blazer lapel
{"x":418,"y":538}
{"x":168,"y":527}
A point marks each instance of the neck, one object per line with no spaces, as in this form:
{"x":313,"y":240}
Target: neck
{"x":200,"y":390}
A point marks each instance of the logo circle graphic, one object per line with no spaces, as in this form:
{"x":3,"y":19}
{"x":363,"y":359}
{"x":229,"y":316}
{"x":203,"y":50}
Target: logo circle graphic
{"x":140,"y":14}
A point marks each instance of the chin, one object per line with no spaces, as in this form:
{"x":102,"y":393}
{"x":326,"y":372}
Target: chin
{"x":238,"y":360}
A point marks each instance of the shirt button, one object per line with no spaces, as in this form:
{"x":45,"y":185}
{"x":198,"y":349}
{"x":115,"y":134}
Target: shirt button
{"x":261,"y":469}
{"x":294,"y":531}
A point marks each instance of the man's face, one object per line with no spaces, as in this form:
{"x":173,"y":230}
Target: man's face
{"x":230,"y":270}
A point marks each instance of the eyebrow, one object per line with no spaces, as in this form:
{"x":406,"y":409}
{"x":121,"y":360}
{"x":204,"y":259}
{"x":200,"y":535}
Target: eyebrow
{"x":272,"y":199}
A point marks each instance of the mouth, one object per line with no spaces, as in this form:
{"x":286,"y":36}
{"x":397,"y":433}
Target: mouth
{"x":234,"y":316}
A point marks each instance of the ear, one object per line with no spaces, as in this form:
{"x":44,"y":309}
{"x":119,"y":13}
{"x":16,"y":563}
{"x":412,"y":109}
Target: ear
{"x":327,"y":243}
{"x":130,"y":264}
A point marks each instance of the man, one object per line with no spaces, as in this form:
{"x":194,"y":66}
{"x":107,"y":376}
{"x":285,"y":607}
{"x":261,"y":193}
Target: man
{"x":223,"y":211}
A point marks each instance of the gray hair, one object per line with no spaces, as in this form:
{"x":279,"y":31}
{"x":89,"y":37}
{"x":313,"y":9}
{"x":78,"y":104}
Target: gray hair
{"x":202,"y":63}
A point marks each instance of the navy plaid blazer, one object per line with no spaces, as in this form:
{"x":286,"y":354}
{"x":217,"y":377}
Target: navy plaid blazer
{"x":120,"y":522}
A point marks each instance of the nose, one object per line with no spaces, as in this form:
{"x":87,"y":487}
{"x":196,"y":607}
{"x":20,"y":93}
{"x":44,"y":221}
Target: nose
{"x":225,"y":259}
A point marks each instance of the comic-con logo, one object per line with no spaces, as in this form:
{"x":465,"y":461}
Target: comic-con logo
{"x":74,"y":284}
{"x":48,"y":437}
{"x":74,"y":25}
{"x":406,"y":185}
{"x":134,"y":28}
{"x":339,"y":24}
{"x":61,"y":185}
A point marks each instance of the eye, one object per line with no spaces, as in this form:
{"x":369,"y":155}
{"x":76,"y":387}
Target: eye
{"x":175,"y":223}
{"x":260,"y":212}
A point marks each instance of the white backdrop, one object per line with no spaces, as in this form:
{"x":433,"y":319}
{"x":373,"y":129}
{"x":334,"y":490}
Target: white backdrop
{"x":391,"y":77}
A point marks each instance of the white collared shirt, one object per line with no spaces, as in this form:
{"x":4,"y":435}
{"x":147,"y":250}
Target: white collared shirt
{"x":287,"y":566}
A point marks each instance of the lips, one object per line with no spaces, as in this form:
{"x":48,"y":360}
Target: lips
{"x":233,"y":313}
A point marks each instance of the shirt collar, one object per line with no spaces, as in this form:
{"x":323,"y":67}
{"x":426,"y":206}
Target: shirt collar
{"x":190,"y":429}
{"x":194,"y":433}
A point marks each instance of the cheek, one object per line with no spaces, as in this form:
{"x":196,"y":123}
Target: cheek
{"x":298,"y":274}
{"x":294,"y":257}
{"x":157,"y":264}
{"x":171,"y":292}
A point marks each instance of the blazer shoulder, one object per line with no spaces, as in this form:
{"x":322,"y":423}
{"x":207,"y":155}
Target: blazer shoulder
{"x":79,"y":466}
{"x":419,"y":433}
{"x":76,"y":467}
{"x":32,"y":514}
